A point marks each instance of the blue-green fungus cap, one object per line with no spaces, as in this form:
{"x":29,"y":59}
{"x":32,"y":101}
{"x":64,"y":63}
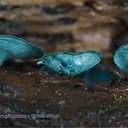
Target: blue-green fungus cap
{"x":121,"y":57}
{"x":12,"y":47}
{"x":71,"y":64}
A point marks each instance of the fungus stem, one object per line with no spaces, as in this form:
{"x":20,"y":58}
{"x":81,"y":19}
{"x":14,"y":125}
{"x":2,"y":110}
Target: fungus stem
{"x":3,"y":57}
{"x":40,"y":62}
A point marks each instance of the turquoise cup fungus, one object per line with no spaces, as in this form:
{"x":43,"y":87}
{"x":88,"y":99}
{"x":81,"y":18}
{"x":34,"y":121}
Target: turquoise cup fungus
{"x":71,"y":64}
{"x":12,"y":47}
{"x":121,"y":57}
